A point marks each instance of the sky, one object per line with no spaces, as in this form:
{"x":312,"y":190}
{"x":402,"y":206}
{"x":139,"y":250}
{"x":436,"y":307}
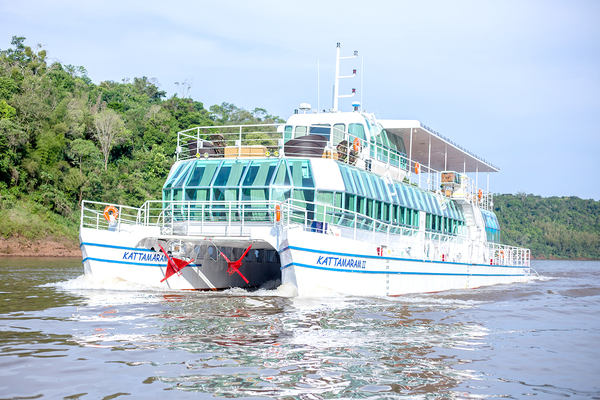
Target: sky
{"x":515,"y":82}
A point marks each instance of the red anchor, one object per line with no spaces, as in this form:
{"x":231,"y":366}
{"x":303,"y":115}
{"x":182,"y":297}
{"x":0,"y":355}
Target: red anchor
{"x":174,"y":265}
{"x":233,"y":266}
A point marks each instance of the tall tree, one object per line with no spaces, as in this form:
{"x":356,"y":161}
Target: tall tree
{"x":109,"y":130}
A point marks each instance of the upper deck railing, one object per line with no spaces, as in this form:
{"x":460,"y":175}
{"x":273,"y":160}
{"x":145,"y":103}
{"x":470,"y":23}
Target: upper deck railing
{"x":272,"y":140}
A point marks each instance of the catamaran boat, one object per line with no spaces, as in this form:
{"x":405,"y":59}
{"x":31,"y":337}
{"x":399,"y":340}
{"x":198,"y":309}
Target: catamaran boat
{"x":336,"y":202}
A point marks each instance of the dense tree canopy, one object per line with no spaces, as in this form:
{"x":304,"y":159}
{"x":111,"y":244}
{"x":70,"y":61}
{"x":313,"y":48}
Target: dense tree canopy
{"x":553,"y":227}
{"x":64,"y":139}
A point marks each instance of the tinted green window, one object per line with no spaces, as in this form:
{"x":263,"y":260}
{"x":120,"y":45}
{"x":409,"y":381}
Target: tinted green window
{"x":347,"y":177}
{"x":370,"y":208}
{"x":356,"y":130}
{"x":282,"y":176}
{"x":339,"y":200}
{"x":182,"y":176}
{"x":177,"y":194}
{"x":259,"y":173}
{"x":301,"y":173}
{"x":361,"y":190}
{"x":287,"y":133}
{"x":350,"y":202}
{"x":176,"y":173}
{"x":230,"y":173}
{"x":361,"y":205}
{"x":325,"y":197}
{"x":202,"y":174}
{"x":372,"y":182}
{"x":225,"y":194}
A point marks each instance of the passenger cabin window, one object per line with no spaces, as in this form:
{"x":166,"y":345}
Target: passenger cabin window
{"x":299,"y":131}
{"x":357,"y":130}
{"x":339,"y":131}
{"x":321,"y":129}
{"x":287,"y":133}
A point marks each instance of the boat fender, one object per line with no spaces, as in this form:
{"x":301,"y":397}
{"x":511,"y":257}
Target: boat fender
{"x":417,"y":168}
{"x":107,"y":213}
{"x":356,"y":145}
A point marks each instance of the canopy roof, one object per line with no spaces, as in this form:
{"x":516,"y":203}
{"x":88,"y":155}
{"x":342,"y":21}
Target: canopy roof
{"x":458,"y":158}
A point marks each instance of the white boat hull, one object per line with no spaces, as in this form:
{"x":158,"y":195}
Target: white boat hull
{"x":111,"y":254}
{"x":314,"y":264}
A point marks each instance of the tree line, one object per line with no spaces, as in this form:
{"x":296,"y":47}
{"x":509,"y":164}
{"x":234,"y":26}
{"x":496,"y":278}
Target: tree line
{"x":64,"y":139}
{"x":552,"y":227}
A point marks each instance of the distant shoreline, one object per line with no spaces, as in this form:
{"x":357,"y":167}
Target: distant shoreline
{"x":49,"y":247}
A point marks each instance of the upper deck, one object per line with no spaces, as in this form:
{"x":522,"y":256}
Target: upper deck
{"x":402,"y":150}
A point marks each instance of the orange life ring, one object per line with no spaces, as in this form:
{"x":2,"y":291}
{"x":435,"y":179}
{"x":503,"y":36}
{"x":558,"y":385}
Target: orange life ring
{"x":417,"y":167}
{"x":356,"y":145}
{"x":277,"y":213}
{"x":480,"y":193}
{"x":110,"y":209}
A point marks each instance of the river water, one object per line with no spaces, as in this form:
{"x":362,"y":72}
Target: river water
{"x":64,"y":335}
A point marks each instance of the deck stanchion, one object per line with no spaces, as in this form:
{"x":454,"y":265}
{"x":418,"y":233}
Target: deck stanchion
{"x":374,"y":224}
{"x":229,"y":220}
{"x":243,"y":219}
{"x":240,"y":141}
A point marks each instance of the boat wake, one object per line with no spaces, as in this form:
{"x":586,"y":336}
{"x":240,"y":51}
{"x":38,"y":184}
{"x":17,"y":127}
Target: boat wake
{"x":90,"y":282}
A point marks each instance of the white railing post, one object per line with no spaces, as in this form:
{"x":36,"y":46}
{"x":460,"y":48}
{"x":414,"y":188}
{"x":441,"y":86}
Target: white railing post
{"x":305,"y":219}
{"x":243,"y":219}
{"x":388,"y":235}
{"x":374,"y":224}
{"x":229,"y":220}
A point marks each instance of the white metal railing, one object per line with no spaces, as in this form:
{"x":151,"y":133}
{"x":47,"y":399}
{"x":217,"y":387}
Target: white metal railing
{"x":268,"y":140}
{"x":235,"y":218}
{"x":263,"y":140}
{"x":431,"y":179}
{"x":501,"y":254}
{"x":92,"y":216}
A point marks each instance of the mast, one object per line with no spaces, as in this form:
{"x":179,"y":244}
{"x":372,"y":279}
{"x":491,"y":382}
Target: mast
{"x":336,"y":83}
{"x":336,"y":86}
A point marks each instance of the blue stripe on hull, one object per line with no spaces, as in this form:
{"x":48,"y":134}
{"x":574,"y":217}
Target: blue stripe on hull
{"x":125,"y":262}
{"x":392,"y":258}
{"x":114,"y":247}
{"x":393,"y":272}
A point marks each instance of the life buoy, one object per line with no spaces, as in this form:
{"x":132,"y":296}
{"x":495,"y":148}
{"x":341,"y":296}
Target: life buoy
{"x":417,"y":167}
{"x":111,"y":209}
{"x":356,"y":145}
{"x":277,"y":213}
{"x":480,"y":193}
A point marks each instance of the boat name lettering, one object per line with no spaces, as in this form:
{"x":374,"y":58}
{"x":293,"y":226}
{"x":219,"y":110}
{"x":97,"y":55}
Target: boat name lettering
{"x":135,"y":256}
{"x":341,"y":262}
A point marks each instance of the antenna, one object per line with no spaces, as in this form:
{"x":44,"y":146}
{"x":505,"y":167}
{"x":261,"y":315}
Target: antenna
{"x":336,"y":94}
{"x":318,"y":86}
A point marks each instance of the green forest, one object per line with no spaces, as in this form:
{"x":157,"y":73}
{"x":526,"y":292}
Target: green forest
{"x":64,"y":138}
